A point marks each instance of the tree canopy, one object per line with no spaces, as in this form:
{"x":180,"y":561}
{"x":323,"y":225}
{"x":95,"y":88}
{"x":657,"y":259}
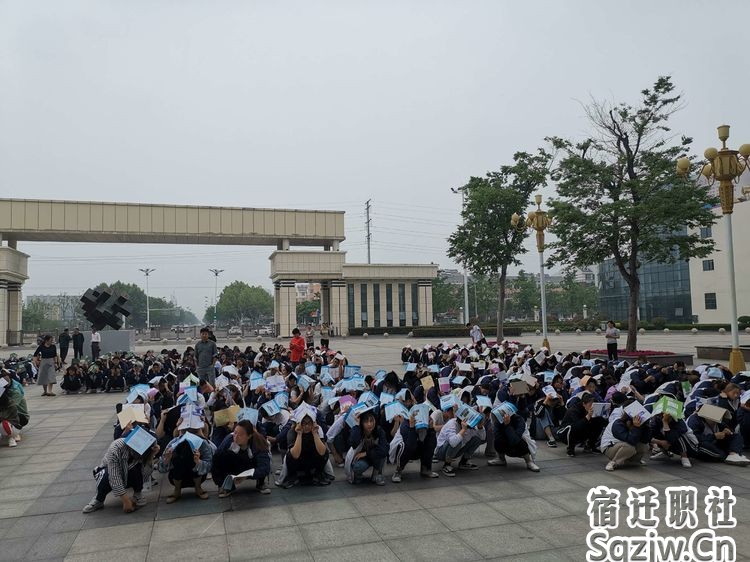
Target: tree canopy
{"x":240,"y":302}
{"x":485,"y":241}
{"x":618,"y":196}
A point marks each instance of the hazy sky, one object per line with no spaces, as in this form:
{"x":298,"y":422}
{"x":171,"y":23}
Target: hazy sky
{"x":322,"y":105}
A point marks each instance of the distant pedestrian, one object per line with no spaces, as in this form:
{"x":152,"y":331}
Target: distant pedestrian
{"x":96,"y":340}
{"x":63,"y":340}
{"x":611,"y":334}
{"x":50,"y":362}
{"x":77,"y":344}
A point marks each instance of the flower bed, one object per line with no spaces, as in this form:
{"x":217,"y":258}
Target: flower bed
{"x":658,"y":357}
{"x":635,"y":354}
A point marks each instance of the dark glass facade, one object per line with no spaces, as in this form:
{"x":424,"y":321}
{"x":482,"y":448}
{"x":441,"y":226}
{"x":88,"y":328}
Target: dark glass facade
{"x":402,"y":304}
{"x":376,"y":304}
{"x":665,"y":292}
{"x":414,"y":305}
{"x":389,"y":304}
{"x":363,"y":304}
{"x":350,"y":302}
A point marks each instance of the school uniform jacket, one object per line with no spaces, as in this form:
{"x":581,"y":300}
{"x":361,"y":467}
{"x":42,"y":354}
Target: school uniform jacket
{"x":204,"y":465}
{"x":262,"y":458}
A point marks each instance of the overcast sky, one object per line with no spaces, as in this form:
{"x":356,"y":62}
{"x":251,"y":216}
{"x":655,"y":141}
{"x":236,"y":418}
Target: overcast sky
{"x":322,"y":105}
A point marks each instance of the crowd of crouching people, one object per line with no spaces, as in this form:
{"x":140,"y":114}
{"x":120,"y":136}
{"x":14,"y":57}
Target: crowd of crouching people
{"x":265,"y":418}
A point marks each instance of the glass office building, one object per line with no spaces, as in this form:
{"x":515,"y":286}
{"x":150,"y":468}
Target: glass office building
{"x":665,"y":292}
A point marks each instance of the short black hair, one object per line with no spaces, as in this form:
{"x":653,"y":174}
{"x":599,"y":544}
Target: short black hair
{"x":295,"y":332}
{"x":205,"y":330}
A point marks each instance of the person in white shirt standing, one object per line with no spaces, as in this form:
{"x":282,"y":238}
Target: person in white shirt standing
{"x":611,"y":334}
{"x":96,"y":340}
{"x":476,"y":334}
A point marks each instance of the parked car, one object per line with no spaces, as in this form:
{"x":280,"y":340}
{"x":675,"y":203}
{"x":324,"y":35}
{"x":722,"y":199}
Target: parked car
{"x":235,"y":331}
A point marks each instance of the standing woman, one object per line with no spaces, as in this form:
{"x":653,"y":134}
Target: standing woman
{"x":611,"y":334}
{"x":324,"y":336}
{"x":50,"y":362}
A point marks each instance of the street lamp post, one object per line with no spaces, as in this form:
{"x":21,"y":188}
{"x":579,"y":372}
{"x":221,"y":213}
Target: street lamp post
{"x":585,"y":311}
{"x":539,"y":221}
{"x":147,"y":271}
{"x":726,"y":166}
{"x":216,"y":290}
{"x":462,"y":191}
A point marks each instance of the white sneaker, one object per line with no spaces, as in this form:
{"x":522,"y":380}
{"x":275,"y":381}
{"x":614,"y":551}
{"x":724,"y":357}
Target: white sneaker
{"x":532,"y":466}
{"x":499,"y":461}
{"x":12,"y":442}
{"x":139,"y":500}
{"x":643,"y":462}
{"x":93,"y":505}
{"x":686,"y":462}
{"x":660,"y":456}
{"x":396,"y":478}
{"x":739,"y":460}
{"x":610,"y":466}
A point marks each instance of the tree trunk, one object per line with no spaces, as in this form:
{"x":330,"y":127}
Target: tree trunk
{"x":501,"y":303}
{"x":633,"y":298}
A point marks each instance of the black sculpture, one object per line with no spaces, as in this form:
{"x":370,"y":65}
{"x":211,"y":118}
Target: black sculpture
{"x":103,"y":308}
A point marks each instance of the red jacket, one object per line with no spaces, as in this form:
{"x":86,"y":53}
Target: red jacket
{"x":297,"y":348}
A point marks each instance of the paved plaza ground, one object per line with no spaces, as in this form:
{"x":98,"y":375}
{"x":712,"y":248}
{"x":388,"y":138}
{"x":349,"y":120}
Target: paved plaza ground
{"x":493,"y":513}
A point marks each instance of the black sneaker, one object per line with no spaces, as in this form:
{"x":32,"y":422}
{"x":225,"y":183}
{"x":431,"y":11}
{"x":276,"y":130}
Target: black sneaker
{"x":552,"y":443}
{"x":571,"y":452}
{"x":467,"y":466}
{"x":449,"y":471}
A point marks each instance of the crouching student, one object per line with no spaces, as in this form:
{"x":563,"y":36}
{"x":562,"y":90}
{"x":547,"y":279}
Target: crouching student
{"x":368,"y":448}
{"x":511,"y":437}
{"x":743,"y":417}
{"x":115,"y":381}
{"x":72,"y":381}
{"x":670,"y":437}
{"x":124,"y":467}
{"x":244,"y":449}
{"x":625,"y":439}
{"x":458,"y":441}
{"x":715,"y":440}
{"x":10,"y":421}
{"x":187,"y":462}
{"x":411,"y":443}
{"x":307,"y":458}
{"x":579,"y":426}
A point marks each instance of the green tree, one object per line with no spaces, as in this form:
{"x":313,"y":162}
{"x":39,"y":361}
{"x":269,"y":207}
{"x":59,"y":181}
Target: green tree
{"x":445,"y":297}
{"x":208,"y":317}
{"x":618,"y":196}
{"x":240,"y":302}
{"x":305,"y":310}
{"x":525,"y":294}
{"x":162,"y":312}
{"x":485,"y":241}
{"x":568,"y":297}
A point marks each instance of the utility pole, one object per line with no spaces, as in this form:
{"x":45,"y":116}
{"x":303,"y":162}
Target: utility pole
{"x":147,"y":271}
{"x":368,"y":222}
{"x":216,"y":289}
{"x":462,"y":191}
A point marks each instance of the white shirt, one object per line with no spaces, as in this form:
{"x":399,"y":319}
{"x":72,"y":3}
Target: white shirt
{"x":476,"y":333}
{"x":96,"y":337}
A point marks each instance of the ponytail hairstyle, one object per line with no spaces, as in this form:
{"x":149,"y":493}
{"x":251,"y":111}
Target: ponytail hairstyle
{"x":259,"y":441}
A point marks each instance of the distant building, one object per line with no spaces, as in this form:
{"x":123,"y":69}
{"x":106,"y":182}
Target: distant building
{"x":307,"y":291}
{"x":585,"y":275}
{"x":451,"y":276}
{"x":665,"y":292}
{"x":709,"y":276}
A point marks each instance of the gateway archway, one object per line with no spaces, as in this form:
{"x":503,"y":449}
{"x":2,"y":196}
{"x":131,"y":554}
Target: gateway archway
{"x":320,"y":231}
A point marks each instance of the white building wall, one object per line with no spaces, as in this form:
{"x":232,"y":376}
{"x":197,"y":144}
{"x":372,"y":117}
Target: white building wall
{"x":717,"y":281}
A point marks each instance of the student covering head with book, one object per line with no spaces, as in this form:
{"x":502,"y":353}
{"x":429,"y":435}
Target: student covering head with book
{"x":128,"y":463}
{"x":245,"y":449}
{"x":187,"y":459}
{"x":579,"y":426}
{"x":306,"y":459}
{"x":631,"y":435}
{"x":368,"y":449}
{"x":511,"y":437}
{"x":410,"y":443}
{"x":458,"y":441}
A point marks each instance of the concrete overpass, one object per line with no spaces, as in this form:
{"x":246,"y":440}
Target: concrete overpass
{"x":319,"y":232}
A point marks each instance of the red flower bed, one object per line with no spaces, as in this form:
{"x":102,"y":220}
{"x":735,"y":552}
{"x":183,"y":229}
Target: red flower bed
{"x":623,"y":353}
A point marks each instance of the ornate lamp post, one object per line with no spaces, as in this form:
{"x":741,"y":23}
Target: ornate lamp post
{"x":539,"y":221}
{"x":726,"y":166}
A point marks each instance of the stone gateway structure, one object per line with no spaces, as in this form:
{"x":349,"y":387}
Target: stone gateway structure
{"x":352,"y":295}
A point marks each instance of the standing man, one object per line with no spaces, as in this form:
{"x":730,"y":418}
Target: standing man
{"x":77,"y":344}
{"x":205,"y":351}
{"x":297,"y":347}
{"x":96,"y":340}
{"x":63,"y":341}
{"x":611,"y":334}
